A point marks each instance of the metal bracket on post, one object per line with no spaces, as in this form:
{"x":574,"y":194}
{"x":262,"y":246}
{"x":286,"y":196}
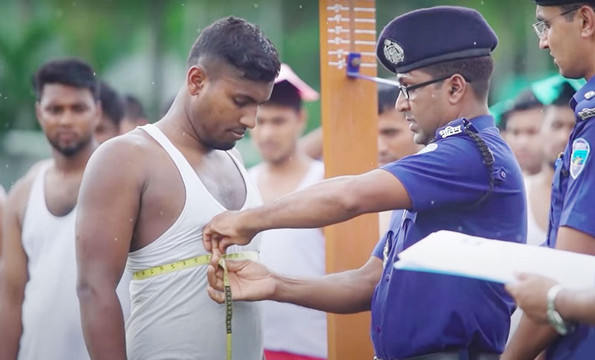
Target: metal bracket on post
{"x":354,"y":59}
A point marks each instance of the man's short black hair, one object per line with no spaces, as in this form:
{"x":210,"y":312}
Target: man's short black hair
{"x":524,"y":101}
{"x":576,"y":5}
{"x":111,"y":103}
{"x":285,"y":94}
{"x":240,"y":44}
{"x":477,"y":71}
{"x":387,"y":97}
{"x":133,"y":108}
{"x":566,"y":93}
{"x":71,"y":72}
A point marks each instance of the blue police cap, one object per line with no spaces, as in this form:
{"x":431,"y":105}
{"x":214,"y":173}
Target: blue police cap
{"x":429,"y":36}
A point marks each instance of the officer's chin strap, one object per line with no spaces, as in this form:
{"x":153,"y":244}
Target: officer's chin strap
{"x":486,"y":156}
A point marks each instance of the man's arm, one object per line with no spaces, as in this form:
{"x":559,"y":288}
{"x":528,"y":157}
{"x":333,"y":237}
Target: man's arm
{"x":577,"y":305}
{"x":530,"y":293}
{"x":108,"y":205}
{"x":2,"y":201}
{"x":311,"y":143}
{"x":325,"y":203}
{"x":535,"y":337}
{"x":13,"y":271}
{"x":345,"y":292}
{"x":529,"y":340}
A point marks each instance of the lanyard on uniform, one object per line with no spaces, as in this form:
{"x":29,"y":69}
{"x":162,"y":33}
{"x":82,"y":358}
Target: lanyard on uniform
{"x":487,"y":158}
{"x":408,"y":219}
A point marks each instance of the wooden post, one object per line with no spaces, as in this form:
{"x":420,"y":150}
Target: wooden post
{"x":349,"y":122}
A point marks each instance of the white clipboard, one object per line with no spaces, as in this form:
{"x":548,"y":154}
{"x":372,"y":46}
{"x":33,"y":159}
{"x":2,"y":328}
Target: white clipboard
{"x":452,"y":253}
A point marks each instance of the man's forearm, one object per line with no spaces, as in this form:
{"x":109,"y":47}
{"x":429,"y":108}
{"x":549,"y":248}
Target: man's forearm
{"x":529,"y":340}
{"x":577,"y":305}
{"x":10,"y":330}
{"x":103,"y":325}
{"x":343,"y":293}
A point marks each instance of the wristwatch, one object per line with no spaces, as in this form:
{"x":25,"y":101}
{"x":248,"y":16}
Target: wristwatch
{"x":553,"y":316}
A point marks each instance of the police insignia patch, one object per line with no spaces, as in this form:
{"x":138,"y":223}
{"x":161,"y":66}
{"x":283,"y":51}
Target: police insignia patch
{"x":580,"y":153}
{"x":393,"y":52}
{"x":586,"y":113}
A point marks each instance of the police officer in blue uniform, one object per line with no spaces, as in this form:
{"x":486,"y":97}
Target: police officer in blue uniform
{"x":466,"y":179}
{"x":567,"y":29}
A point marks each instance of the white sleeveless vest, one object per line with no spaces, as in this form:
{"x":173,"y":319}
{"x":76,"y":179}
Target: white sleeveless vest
{"x":172,"y":316}
{"x":296,"y":253}
{"x":51,"y":317}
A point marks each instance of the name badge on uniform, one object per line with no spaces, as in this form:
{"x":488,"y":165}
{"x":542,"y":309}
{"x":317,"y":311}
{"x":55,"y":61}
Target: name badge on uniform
{"x":580,"y":153}
{"x":586,"y":113}
{"x":450,"y":131}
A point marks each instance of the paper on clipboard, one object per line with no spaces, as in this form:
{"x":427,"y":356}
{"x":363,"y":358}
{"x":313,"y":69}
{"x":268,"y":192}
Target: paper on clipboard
{"x":452,"y":253}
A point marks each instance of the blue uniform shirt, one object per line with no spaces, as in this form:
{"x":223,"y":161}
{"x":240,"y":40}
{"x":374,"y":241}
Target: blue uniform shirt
{"x":416,"y":313}
{"x":573,"y":196}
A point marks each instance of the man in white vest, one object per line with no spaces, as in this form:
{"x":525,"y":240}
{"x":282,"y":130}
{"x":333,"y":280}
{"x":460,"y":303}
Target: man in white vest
{"x":39,"y":310}
{"x":290,"y":331}
{"x":147,"y":194}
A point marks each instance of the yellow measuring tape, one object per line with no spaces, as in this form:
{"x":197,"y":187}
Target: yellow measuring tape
{"x":199,"y":261}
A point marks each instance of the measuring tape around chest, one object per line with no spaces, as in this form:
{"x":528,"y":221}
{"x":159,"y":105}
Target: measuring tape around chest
{"x":199,"y":261}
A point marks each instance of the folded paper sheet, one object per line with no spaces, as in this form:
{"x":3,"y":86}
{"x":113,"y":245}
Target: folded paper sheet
{"x":452,"y":253}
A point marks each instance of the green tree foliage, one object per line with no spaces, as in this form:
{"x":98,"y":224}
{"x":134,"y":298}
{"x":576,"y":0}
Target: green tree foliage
{"x":142,"y":39}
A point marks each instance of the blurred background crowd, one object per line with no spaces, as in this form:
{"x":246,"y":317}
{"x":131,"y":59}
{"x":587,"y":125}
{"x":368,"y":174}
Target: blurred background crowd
{"x":139,"y":48}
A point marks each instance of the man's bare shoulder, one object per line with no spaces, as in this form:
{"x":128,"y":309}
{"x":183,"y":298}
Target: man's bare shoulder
{"x":129,"y":149}
{"x":18,"y":195}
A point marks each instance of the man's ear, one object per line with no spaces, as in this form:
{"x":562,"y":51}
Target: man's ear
{"x":38,"y":113}
{"x":458,"y":86}
{"x":587,"y":18}
{"x":195,"y":79}
{"x":303,"y":119}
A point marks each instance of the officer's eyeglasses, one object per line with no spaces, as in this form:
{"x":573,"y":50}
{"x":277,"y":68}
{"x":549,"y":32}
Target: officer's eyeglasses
{"x":543,"y":25}
{"x":405,"y":90}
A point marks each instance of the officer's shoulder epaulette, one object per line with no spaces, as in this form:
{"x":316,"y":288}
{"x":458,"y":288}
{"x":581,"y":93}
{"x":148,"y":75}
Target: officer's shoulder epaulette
{"x":585,"y":109}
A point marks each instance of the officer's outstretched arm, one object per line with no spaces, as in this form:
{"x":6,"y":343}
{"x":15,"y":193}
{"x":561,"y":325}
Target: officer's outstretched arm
{"x":345,"y":292}
{"x":328,"y":202}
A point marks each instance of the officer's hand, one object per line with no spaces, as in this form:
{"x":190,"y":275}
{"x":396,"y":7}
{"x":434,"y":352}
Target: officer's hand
{"x":249,"y":280}
{"x":226,"y":229}
{"x":530,"y":294}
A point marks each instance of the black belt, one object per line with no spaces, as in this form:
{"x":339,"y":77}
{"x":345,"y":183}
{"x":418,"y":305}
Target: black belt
{"x":451,"y":355}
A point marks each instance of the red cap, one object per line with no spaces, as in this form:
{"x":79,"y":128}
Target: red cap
{"x":306,"y":92}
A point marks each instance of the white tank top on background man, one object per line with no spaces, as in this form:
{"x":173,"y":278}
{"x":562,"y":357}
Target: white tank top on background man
{"x":51,"y":317}
{"x":295,"y":253}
